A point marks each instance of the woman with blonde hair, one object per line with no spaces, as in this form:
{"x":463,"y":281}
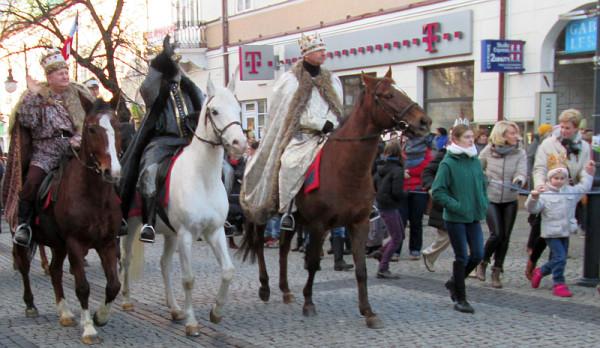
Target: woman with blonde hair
{"x":504,"y":163}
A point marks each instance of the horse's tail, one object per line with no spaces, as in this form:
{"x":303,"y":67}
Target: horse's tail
{"x":136,"y":267}
{"x":252,"y":237}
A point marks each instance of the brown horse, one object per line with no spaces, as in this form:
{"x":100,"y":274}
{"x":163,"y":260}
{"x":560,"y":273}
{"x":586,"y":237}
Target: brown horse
{"x":346,"y":190}
{"x":84,"y":215}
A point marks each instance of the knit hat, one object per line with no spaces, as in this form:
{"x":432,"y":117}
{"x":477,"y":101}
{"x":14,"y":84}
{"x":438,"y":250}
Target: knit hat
{"x":544,"y":128}
{"x":557,"y":163}
{"x":52,"y":61}
{"x":311,"y":43}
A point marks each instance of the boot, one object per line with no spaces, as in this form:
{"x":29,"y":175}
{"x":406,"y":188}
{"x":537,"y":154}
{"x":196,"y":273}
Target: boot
{"x":22,"y":235}
{"x":461,"y":305}
{"x":451,"y":289}
{"x":481,"y":270}
{"x":496,"y":283}
{"x":123,"y":229}
{"x":338,"y":255}
{"x":149,"y":219}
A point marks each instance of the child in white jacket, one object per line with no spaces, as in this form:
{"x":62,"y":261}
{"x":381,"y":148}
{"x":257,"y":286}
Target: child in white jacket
{"x":558,"y":218}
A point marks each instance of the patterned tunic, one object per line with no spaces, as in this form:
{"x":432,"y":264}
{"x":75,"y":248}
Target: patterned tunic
{"x":50,"y":126}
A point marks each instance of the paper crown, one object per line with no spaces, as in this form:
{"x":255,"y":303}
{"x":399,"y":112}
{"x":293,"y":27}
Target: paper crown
{"x":52,"y":60}
{"x":544,"y":128}
{"x":557,"y":163}
{"x":460,"y":120}
{"x":310,"y":43}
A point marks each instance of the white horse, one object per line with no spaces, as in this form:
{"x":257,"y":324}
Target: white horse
{"x":197,"y":206}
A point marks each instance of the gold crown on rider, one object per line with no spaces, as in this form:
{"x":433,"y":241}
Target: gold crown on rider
{"x":52,"y":60}
{"x":311,"y":43}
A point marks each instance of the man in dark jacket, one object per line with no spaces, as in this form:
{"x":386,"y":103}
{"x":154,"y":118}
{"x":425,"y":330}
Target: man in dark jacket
{"x":173,"y":104}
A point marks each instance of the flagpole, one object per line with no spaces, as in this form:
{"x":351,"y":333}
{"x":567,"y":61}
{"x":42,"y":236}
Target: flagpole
{"x":76,"y":44}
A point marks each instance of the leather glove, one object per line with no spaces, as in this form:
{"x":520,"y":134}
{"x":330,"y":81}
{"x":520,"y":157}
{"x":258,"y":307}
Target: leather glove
{"x":328,"y":127}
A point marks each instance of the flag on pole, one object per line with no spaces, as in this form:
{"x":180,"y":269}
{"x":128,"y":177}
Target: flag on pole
{"x":66,"y":49}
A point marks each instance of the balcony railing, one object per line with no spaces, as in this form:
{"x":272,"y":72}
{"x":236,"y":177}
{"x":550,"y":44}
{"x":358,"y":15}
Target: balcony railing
{"x":190,"y":36}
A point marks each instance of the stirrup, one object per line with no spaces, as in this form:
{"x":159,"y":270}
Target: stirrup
{"x":147,"y":239}
{"x":123,"y":228}
{"x":228,"y":227}
{"x":287,"y":222}
{"x":18,"y":242}
{"x":374,"y":215}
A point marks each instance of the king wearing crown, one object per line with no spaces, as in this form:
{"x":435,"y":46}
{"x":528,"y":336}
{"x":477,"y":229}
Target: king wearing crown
{"x":45,"y":122}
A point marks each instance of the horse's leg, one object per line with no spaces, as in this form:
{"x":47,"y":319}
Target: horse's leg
{"x":184,"y":240}
{"x":108,"y":256}
{"x":217,"y":241}
{"x":166,"y":267}
{"x":66,"y":317}
{"x":313,"y":259}
{"x":125,"y":263}
{"x":284,"y":250}
{"x":358,"y":233}
{"x":44,"y":260}
{"x":263,"y":292}
{"x":82,"y":289}
{"x":23,"y":263}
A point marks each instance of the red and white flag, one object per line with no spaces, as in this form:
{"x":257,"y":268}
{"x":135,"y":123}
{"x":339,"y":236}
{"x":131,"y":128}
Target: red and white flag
{"x":66,"y":49}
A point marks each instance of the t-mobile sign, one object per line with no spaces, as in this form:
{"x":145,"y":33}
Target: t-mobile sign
{"x":257,"y":62}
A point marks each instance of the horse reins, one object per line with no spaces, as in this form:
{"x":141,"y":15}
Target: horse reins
{"x":96,"y":164}
{"x":218,"y":132}
{"x":395,"y":115}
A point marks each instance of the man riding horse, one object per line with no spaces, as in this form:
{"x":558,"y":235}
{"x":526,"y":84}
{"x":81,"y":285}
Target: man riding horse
{"x":173,"y":104}
{"x":306,"y":104}
{"x":45,"y":122}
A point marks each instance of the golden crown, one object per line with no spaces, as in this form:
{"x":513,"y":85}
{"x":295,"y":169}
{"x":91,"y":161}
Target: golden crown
{"x":310,"y":43}
{"x":556,"y":160}
{"x":52,"y":60}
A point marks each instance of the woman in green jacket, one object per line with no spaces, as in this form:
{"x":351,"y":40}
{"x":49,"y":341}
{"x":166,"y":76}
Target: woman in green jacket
{"x":459,"y":187}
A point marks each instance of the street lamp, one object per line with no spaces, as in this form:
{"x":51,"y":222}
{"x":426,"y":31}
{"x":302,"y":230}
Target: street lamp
{"x":10,"y":85}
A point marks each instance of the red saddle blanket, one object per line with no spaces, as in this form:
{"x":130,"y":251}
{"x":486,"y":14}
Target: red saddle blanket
{"x":312,"y":178}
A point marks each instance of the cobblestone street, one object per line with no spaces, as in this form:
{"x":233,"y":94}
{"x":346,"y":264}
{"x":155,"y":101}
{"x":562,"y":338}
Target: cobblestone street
{"x":416,"y":309}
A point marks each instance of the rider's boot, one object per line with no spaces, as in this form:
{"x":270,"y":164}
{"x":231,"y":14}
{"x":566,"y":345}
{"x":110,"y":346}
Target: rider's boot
{"x":22,"y":235}
{"x":149,"y":220}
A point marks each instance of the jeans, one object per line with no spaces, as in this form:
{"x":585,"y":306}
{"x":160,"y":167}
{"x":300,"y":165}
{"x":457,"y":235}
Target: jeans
{"x":272,"y":229}
{"x":500,"y":220}
{"x":465,"y":237}
{"x":558,"y":259}
{"x":338,"y":232}
{"x":393,"y":222}
{"x":416,"y":203}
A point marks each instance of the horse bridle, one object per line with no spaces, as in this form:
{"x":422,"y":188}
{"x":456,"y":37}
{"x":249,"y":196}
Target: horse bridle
{"x":95,"y":166}
{"x":218,"y":132}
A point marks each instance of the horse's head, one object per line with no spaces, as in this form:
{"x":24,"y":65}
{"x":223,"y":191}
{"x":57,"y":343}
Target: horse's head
{"x":100,"y":141}
{"x":392,"y":108}
{"x":223,"y":115}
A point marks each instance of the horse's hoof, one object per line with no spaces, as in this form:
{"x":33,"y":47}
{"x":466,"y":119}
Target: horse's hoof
{"x":264,"y":294}
{"x":177,"y":315}
{"x":31,"y":312}
{"x":309,"y":311}
{"x":67,"y":321}
{"x":98,"y":322}
{"x":215,"y":319}
{"x":374,"y":323}
{"x":90,"y":339}
{"x":127,"y":307}
{"x":288,"y":298}
{"x":192,"y":330}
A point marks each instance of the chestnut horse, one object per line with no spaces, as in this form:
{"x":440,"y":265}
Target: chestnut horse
{"x":85,"y":215}
{"x":346,"y":191}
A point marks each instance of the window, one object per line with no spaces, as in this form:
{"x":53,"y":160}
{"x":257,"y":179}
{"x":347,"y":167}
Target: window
{"x":449,"y":94}
{"x":244,"y":5}
{"x":254,"y":117}
{"x":351,"y":86}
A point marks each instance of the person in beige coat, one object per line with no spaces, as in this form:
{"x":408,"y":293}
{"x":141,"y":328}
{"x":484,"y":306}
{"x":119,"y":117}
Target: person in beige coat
{"x":504,"y":164}
{"x":565,"y":140}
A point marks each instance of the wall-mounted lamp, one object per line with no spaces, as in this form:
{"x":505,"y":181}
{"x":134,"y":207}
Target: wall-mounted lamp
{"x":10,"y":85}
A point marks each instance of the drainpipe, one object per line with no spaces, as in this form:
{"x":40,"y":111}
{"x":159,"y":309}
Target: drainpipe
{"x":225,"y":41}
{"x":502,"y":35}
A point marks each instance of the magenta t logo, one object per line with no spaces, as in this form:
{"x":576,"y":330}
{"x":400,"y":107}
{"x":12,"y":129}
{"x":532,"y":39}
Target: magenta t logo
{"x":431,"y":38}
{"x":255,"y":57}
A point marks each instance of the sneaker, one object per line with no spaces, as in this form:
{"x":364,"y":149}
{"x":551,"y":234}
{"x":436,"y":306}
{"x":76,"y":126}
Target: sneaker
{"x":376,"y":255}
{"x":414,"y":255}
{"x":561,"y":290}
{"x":387,"y":275}
{"x":395,"y":258}
{"x":536,"y":278}
{"x":428,"y":263}
{"x":273,"y":243}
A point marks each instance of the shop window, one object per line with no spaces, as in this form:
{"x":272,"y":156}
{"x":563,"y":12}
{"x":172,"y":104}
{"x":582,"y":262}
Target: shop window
{"x":351,"y":86}
{"x":449,"y":93}
{"x":254,"y":117}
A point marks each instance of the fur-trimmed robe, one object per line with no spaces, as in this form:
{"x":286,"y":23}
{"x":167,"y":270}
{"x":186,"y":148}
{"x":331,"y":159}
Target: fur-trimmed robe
{"x":20,"y":147}
{"x":275,"y":173}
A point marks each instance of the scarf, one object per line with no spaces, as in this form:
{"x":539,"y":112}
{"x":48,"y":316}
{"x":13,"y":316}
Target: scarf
{"x":457,"y":150}
{"x":504,"y":150}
